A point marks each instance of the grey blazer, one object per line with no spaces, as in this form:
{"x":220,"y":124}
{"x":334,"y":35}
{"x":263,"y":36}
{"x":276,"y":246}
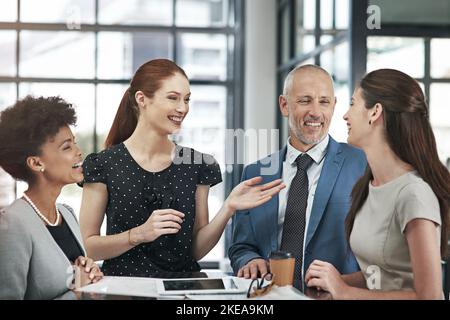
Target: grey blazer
{"x":32,"y":265}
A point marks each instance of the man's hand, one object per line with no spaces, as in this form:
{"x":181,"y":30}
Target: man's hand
{"x":254,"y":269}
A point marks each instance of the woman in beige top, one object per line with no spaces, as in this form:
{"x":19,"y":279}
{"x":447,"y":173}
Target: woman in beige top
{"x":397,"y":224}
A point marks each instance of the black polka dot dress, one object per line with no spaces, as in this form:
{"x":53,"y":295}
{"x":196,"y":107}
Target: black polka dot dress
{"x":134,"y":193}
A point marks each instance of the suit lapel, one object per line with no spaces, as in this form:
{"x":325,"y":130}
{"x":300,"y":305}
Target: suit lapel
{"x":330,"y":171}
{"x":270,"y":209}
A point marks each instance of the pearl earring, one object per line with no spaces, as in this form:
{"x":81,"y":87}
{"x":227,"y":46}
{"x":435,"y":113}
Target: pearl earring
{"x":42,"y":169}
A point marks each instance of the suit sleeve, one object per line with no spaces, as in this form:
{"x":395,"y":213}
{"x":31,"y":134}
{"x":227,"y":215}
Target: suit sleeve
{"x":243,"y":246}
{"x":15,"y":255}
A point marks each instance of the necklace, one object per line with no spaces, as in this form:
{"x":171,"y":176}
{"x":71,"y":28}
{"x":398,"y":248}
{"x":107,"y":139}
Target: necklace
{"x":58,"y":215}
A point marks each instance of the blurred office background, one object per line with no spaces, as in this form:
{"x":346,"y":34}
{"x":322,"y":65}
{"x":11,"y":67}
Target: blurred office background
{"x":236,"y":53}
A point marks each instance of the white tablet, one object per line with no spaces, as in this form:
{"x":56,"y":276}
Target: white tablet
{"x":226,"y":285}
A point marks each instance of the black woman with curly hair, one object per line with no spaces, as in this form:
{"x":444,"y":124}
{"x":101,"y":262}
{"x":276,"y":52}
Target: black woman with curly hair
{"x":40,"y":241}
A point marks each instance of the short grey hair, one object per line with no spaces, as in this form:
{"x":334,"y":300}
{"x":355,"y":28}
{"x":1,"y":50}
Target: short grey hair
{"x":288,"y":81}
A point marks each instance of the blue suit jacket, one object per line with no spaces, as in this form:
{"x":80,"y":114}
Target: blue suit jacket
{"x":255,"y":232}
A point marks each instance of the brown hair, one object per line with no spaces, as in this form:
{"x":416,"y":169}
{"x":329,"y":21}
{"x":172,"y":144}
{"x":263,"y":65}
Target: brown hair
{"x":409,"y":135}
{"x":26,"y":127}
{"x":148,"y":79}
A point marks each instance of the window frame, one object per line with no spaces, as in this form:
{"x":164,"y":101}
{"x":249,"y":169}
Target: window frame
{"x":356,"y":34}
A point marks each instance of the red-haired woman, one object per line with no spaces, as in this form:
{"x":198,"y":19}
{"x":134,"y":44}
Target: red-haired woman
{"x":155,"y":193}
{"x":398,"y":222}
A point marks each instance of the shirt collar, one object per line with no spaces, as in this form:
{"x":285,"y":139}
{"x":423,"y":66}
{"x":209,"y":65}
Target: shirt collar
{"x":317,"y":153}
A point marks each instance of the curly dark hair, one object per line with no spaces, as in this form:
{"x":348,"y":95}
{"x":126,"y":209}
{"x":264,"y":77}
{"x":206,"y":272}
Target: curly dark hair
{"x":26,"y":126}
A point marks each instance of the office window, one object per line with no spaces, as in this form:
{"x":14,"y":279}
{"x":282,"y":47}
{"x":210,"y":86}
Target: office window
{"x":7,"y":95}
{"x":404,"y":54}
{"x":87,"y":50}
{"x":439,"y":117}
{"x":440,"y":63}
{"x":203,"y":56}
{"x":9,"y":11}
{"x":306,"y":10}
{"x":201,"y":13}
{"x":342,"y":9}
{"x":410,"y":12}
{"x":48,"y":54}
{"x":305,"y":25}
{"x":57,"y":11}
{"x":326,"y":14}
{"x":121,"y":53}
{"x":136,"y":12}
{"x":8,"y":53}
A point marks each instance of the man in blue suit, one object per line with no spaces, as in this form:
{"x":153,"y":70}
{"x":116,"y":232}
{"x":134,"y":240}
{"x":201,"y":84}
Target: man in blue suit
{"x":308,"y":102}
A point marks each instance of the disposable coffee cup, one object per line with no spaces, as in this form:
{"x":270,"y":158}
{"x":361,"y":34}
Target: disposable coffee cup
{"x":282,"y":266}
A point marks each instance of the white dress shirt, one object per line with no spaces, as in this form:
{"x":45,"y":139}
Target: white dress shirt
{"x":317,"y":153}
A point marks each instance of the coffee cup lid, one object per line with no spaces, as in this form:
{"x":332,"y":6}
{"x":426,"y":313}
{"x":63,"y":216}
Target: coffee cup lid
{"x":280,"y":255}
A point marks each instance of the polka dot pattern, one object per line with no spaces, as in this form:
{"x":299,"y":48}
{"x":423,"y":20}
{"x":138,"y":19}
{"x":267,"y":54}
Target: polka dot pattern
{"x":134,"y":193}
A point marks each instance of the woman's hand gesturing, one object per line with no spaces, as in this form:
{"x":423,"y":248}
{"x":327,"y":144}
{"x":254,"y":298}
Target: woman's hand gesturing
{"x":248,"y":194}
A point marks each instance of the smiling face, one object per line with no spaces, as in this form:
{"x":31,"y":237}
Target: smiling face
{"x":308,"y":104}
{"x":60,"y":158}
{"x":357,"y":118}
{"x":166,"y":110}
